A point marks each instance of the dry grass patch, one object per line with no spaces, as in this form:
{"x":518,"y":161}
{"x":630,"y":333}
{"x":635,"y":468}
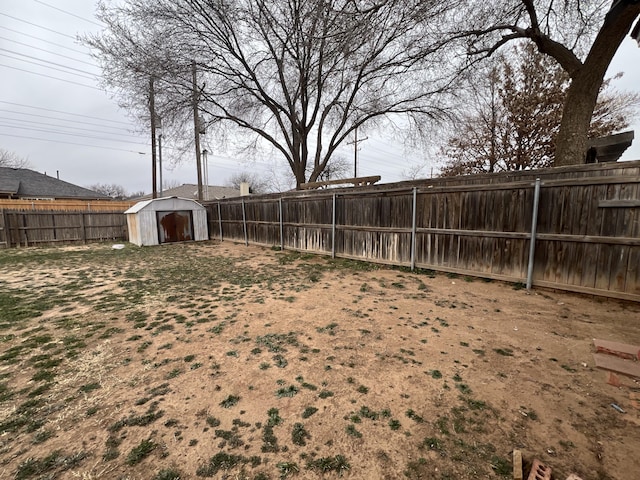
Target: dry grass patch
{"x":201,"y":360}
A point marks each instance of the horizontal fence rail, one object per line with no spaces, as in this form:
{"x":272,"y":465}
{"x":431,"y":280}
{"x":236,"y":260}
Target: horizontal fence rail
{"x":67,"y":205}
{"x":584,"y":222}
{"x":29,"y":228}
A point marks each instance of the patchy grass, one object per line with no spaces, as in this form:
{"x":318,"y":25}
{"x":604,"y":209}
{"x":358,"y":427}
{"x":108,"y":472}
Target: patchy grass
{"x":170,"y":353}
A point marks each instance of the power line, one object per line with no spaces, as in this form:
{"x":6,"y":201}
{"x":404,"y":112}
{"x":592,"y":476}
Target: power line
{"x":94,"y":77}
{"x":60,"y":111}
{"x":37,"y":26}
{"x":73,"y":128}
{"x":216,"y":165}
{"x":69,"y":143}
{"x":46,"y":41}
{"x":47,"y":51}
{"x":69,"y":13}
{"x":49,"y":76}
{"x":83,"y":122}
{"x":57,"y":132}
{"x":46,"y":61}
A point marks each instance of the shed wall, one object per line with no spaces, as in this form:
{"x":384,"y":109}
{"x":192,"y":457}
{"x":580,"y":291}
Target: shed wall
{"x":134,"y":229}
{"x":200,"y":228}
{"x":148,"y":227}
{"x":144,"y":220}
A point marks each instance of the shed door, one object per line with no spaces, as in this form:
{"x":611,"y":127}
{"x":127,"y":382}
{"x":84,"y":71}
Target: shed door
{"x":175,"y":226}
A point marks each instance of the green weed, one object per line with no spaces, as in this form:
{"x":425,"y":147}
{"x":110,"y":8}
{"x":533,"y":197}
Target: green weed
{"x":230,"y":401}
{"x":140,"y":452}
{"x":308,"y":411}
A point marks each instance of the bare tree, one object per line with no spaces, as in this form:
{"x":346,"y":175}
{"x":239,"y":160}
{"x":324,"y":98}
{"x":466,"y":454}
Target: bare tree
{"x":337,"y":167}
{"x":257,"y":184}
{"x":141,"y":70}
{"x":134,"y":195}
{"x":512,"y":120}
{"x":582,"y":37}
{"x":297,"y":76}
{"x":12,"y":160}
{"x":171,"y":183}
{"x":117,"y":192}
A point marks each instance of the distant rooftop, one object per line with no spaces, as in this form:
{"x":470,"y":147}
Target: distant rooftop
{"x":190,"y":190}
{"x":25,"y":183}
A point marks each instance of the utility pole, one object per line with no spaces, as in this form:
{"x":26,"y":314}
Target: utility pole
{"x":196,"y":125}
{"x":160,"y":161}
{"x":152,"y":112}
{"x":355,"y":151}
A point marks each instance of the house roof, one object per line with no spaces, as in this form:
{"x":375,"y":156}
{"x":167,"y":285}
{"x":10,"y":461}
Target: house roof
{"x":9,"y":186}
{"x":190,"y":190}
{"x":22,"y":182}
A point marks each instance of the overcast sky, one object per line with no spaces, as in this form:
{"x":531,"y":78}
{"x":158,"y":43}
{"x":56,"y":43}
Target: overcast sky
{"x":53,"y":112}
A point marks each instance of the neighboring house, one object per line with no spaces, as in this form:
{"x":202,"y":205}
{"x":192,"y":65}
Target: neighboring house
{"x":22,"y":183}
{"x":190,"y":191}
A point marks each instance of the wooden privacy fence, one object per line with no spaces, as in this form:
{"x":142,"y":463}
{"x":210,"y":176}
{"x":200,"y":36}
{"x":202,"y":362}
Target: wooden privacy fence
{"x":585,"y":221}
{"x":29,"y":228}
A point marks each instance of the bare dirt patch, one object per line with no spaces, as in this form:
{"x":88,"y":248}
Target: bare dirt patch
{"x":208,"y":360}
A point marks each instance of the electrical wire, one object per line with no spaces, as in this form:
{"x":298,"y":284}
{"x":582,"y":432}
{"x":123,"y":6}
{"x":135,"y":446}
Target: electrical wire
{"x":215,"y":165}
{"x":70,"y":143}
{"x":47,"y":51}
{"x":87,"y":77}
{"x":69,"y":13}
{"x":50,"y":76}
{"x":58,"y":132}
{"x":63,"y":112}
{"x":74,"y":128}
{"x":45,"y":61}
{"x":38,"y":26}
{"x":45,"y":41}
{"x":83,"y":122}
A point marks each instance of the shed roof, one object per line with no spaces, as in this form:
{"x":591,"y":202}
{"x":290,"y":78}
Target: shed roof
{"x":159,"y":201}
{"x":23,"y":182}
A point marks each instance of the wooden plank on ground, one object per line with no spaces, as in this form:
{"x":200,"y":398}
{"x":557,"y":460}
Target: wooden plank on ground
{"x":517,"y":465}
{"x":622,"y":350}
{"x":618,"y":365}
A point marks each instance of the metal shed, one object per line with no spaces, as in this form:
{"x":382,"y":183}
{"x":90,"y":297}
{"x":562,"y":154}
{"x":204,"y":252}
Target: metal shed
{"x":165,"y":220}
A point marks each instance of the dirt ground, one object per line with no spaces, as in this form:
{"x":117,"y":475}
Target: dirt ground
{"x":225,"y":361}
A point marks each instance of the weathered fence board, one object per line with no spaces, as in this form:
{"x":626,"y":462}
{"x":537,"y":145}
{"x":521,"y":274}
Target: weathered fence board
{"x":587,"y":240}
{"x":28,"y":228}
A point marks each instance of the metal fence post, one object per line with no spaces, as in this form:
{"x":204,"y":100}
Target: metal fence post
{"x":220,"y":220}
{"x":244,"y":224}
{"x":281,"y":224}
{"x":413,"y":229}
{"x":333,"y":228}
{"x":534,"y":227}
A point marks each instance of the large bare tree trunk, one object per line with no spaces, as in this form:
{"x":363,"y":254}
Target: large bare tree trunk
{"x":585,"y":85}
